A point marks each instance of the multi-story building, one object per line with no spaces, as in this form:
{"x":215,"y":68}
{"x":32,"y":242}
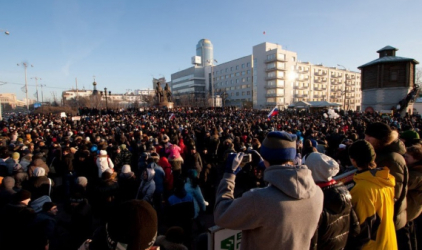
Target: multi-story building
{"x":270,"y":76}
{"x":10,"y":99}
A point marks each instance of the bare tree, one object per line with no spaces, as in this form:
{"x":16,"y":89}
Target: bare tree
{"x":418,"y":77}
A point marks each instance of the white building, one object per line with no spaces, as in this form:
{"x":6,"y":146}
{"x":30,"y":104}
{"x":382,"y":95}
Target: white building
{"x":270,"y":76}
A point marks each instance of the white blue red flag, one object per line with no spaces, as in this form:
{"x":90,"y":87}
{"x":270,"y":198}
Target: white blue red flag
{"x":172,"y":116}
{"x":273,"y":112}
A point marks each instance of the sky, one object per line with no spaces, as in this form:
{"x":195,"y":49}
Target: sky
{"x":124,"y":43}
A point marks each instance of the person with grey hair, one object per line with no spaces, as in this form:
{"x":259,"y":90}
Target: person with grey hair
{"x":39,"y":184}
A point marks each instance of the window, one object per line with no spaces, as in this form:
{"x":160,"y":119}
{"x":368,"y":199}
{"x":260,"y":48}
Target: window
{"x":248,"y":92}
{"x":270,"y":65}
{"x":243,"y":79}
{"x":244,"y":86}
{"x":247,"y":79}
{"x":243,"y":65}
{"x":237,"y":93}
{"x":231,"y":68}
{"x":237,"y":67}
{"x":248,"y":71}
{"x":238,"y":74}
{"x":293,"y":59}
{"x":243,"y":73}
{"x":271,"y":57}
{"x":231,"y":81}
{"x":243,"y":93}
{"x":227,"y":70}
{"x":237,"y":80}
{"x":247,"y":65}
{"x":232,"y":75}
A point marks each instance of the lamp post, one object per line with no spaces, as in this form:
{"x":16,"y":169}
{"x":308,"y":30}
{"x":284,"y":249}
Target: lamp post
{"x":212,"y":80}
{"x":25,"y":65}
{"x":42,"y":97}
{"x":224,"y":96}
{"x":105,"y":96}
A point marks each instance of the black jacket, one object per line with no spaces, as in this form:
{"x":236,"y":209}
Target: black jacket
{"x":337,"y":220}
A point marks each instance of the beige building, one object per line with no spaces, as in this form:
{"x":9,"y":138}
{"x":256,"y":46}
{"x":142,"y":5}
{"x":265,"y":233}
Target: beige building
{"x":10,"y":98}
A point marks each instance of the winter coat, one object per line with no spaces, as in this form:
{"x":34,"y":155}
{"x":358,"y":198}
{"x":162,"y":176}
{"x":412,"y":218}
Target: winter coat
{"x":373,"y":201}
{"x":24,"y":164}
{"x":193,"y":162}
{"x":181,"y":210}
{"x":414,"y":193}
{"x":336,"y":218}
{"x":159,"y":177}
{"x":47,"y":222}
{"x":6,"y":166}
{"x":104,"y":163}
{"x":198,"y":199}
{"x":147,"y":188}
{"x":128,"y":185}
{"x":285,"y":213}
{"x":168,"y":178}
{"x":37,"y":163}
{"x":38,"y":186}
{"x":391,"y":157}
{"x":174,"y":152}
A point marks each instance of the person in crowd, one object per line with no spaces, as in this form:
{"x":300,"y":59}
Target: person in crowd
{"x":181,"y":209}
{"x":81,"y":218}
{"x":410,"y":137}
{"x":105,"y":193}
{"x":338,"y":219}
{"x":263,"y":213}
{"x":159,"y":180}
{"x":372,"y":200}
{"x":6,"y":162}
{"x":128,"y":184}
{"x":46,"y":221}
{"x":104,"y":163}
{"x":174,"y":157}
{"x":147,"y":187}
{"x":168,"y":175}
{"x":192,"y":188}
{"x":7,"y":191}
{"x":193,"y":160}
{"x":124,"y":156}
{"x":389,"y":151}
{"x":25,"y":161}
{"x":413,"y":159}
{"x":18,"y":217}
{"x":132,"y":225}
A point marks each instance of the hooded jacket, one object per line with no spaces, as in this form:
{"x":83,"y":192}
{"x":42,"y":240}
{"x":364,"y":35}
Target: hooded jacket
{"x":168,"y":181}
{"x":37,"y":163}
{"x":391,"y":157}
{"x":147,"y":188}
{"x":284,"y":214}
{"x":373,"y":201}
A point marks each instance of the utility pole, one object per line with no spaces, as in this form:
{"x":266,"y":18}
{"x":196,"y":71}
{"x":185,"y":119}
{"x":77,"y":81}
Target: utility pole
{"x":42,"y":97}
{"x":36,"y":85}
{"x":25,"y":65}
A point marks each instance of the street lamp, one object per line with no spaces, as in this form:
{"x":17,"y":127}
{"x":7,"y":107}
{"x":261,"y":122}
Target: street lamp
{"x":25,"y":65}
{"x":212,"y":80}
{"x":105,"y":96}
{"x":224,"y":95}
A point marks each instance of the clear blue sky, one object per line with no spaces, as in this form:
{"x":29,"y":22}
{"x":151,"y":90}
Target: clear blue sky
{"x":126,"y":43}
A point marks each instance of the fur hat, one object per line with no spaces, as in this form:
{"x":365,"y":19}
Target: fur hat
{"x":362,"y":152}
{"x":133,"y":223}
{"x":322,"y":166}
{"x":378,"y":130}
{"x":279,"y":146}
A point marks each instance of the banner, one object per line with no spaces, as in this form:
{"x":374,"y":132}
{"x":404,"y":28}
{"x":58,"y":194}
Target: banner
{"x":224,"y":239}
{"x":346,"y":178}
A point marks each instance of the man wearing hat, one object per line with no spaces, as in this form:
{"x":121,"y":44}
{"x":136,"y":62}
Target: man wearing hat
{"x":283,"y":215}
{"x":389,"y":153}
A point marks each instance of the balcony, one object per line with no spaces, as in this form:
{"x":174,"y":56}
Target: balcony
{"x":301,"y":95}
{"x":273,"y":86}
{"x":320,"y":73}
{"x":318,"y":89}
{"x":277,"y":58}
{"x":300,"y":87}
{"x":335,"y":76}
{"x":336,"y":82}
{"x":274,"y":77}
{"x":350,"y":91}
{"x":275,"y":68}
{"x":274,"y":95}
{"x":303,"y":71}
{"x":317,"y":80}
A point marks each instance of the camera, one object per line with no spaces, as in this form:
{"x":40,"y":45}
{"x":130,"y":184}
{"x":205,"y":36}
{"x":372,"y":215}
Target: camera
{"x":246,"y":158}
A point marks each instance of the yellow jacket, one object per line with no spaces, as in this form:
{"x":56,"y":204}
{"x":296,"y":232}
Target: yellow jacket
{"x":373,"y":201}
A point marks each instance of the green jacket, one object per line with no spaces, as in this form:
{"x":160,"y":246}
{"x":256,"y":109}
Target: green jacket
{"x":391,"y":156}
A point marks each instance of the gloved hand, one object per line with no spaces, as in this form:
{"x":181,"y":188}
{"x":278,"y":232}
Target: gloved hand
{"x":233,"y":163}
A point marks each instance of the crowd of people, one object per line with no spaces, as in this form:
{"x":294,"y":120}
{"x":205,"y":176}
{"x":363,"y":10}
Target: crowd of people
{"x":131,"y":179}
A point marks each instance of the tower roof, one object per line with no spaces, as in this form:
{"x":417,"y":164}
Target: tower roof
{"x":388,"y":47}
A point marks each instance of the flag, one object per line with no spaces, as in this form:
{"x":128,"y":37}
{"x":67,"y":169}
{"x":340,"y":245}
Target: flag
{"x":273,"y":112}
{"x":264,"y":32}
{"x":172,"y":116}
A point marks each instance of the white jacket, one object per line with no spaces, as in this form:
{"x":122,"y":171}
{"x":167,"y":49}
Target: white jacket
{"x":104,"y":163}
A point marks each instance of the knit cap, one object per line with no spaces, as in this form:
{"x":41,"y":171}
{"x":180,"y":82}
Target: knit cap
{"x":123,"y":146}
{"x":378,"y":130}
{"x":279,"y":146}
{"x":322,"y":166}
{"x":362,"y":152}
{"x":16,"y":156}
{"x":409,"y":135}
{"x":133,"y":223}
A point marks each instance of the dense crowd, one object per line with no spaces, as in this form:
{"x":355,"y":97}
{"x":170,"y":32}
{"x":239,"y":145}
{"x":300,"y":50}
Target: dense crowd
{"x":130,"y":179}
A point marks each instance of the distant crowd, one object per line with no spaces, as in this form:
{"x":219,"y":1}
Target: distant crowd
{"x":131,"y":179}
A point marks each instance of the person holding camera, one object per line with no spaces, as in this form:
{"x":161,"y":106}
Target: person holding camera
{"x":283,"y":215}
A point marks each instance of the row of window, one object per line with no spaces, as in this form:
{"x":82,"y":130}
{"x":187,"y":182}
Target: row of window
{"x":245,"y":79}
{"x":245,"y":72}
{"x":226,"y":70}
{"x":245,"y":86}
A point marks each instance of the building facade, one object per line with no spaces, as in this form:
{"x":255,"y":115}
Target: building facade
{"x":387,"y":81}
{"x":270,"y":76}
